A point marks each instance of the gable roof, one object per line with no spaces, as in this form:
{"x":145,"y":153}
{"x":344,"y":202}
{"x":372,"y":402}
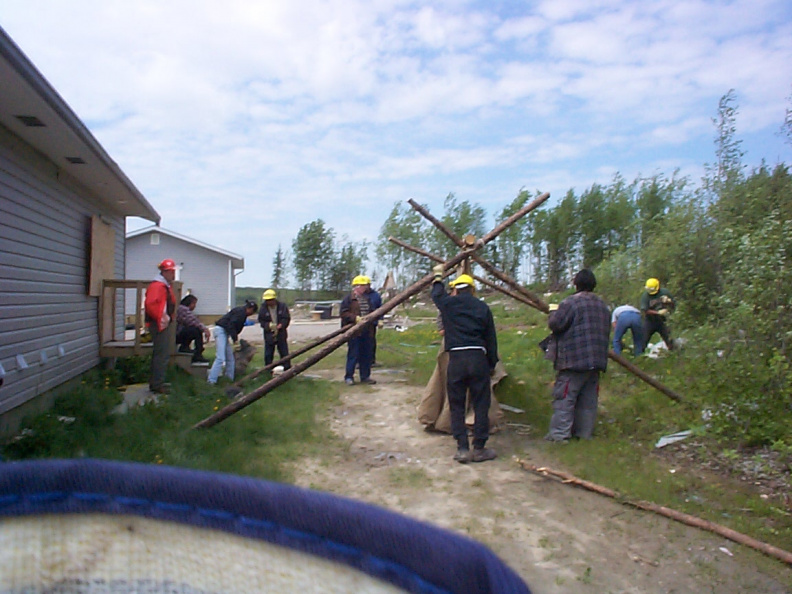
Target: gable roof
{"x":32,"y":110}
{"x":237,"y":261}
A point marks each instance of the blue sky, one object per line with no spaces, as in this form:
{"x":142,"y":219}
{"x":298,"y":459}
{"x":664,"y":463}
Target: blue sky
{"x":241,"y":121}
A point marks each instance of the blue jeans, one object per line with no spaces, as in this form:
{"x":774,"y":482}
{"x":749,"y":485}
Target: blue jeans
{"x":632,"y":321}
{"x":223,"y":358}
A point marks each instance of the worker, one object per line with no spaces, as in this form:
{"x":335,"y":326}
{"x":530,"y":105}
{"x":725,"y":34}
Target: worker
{"x":623,"y":318}
{"x":159,"y":306}
{"x":274,"y":318}
{"x":360,"y":302}
{"x":581,"y":329}
{"x":657,"y":304}
{"x":229,"y":327}
{"x":472,"y":347}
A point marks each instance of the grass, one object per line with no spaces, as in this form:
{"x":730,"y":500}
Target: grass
{"x":263,"y":440}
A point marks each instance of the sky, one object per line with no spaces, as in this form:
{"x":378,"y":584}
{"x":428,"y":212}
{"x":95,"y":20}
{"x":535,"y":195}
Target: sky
{"x":241,"y":121}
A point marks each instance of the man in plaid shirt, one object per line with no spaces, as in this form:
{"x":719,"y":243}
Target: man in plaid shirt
{"x":581,"y":329}
{"x":189,"y":328}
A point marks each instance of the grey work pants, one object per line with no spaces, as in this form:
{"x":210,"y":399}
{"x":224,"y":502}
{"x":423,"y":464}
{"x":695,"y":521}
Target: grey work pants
{"x":160,"y":353}
{"x":575,"y":398}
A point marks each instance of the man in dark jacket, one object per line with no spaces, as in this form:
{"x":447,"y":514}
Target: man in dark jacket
{"x":274,"y":318}
{"x":581,"y":329}
{"x":472,"y":347}
{"x":229,"y":327}
{"x":360,"y":302}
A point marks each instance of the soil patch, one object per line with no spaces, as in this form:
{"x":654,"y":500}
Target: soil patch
{"x":557,"y":537}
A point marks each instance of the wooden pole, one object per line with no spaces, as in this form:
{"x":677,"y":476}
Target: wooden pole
{"x":678,"y":516}
{"x":290,"y":356}
{"x":247,"y":399}
{"x":525,"y":296}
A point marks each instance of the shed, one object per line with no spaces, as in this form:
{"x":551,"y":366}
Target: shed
{"x":63,"y":207}
{"x":205,"y":271}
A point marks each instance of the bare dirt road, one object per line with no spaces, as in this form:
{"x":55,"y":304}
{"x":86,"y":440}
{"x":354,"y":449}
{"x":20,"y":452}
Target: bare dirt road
{"x":557,"y":537}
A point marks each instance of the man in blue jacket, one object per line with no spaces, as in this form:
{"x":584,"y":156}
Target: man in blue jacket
{"x":360,"y":302}
{"x":472,"y":347}
{"x":581,"y":329}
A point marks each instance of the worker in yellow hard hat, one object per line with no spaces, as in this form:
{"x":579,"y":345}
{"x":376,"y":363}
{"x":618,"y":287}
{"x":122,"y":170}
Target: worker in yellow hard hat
{"x":274,"y":318}
{"x":472,"y":345}
{"x":355,"y":306}
{"x":657,"y":304}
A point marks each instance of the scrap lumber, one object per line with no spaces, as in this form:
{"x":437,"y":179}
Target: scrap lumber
{"x":678,"y":516}
{"x":290,"y":356}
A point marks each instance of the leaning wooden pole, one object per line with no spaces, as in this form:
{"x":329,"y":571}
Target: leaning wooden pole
{"x":694,"y":521}
{"x":248,"y":399}
{"x":524,"y":296}
{"x":290,"y":356}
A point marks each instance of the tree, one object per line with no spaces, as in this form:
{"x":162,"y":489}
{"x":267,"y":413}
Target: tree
{"x":507,"y":249}
{"x":313,"y":253}
{"x":728,"y":170}
{"x":278,"y":269}
{"x":348,"y":261}
{"x":408,"y":225}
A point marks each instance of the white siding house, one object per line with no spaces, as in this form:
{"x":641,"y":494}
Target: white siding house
{"x":63,"y":204}
{"x":205,"y":271}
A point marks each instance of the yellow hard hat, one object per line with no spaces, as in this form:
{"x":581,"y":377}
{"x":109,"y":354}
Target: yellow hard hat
{"x":652,"y":286}
{"x":268,"y":294}
{"x":360,"y":280}
{"x":462,"y":281}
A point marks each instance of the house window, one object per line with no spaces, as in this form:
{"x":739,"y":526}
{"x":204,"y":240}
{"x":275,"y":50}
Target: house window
{"x":155,"y":239}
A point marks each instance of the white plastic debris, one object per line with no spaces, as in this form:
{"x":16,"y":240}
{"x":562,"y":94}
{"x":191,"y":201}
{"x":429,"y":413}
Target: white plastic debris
{"x":673,"y":438}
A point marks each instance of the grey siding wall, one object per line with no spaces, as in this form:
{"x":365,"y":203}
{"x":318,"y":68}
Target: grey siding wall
{"x":47,"y":320}
{"x":203,"y":272}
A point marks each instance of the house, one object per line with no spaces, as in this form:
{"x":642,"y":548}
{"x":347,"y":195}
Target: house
{"x":205,"y":271}
{"x":63,"y":209}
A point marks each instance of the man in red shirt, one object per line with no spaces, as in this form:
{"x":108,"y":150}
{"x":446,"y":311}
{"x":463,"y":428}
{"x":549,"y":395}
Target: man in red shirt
{"x":159,"y":306}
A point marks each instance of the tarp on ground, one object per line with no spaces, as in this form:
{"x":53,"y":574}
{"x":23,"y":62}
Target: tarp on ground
{"x":433,"y":411}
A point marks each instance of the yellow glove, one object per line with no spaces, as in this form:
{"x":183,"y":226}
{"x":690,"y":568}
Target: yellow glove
{"x":438,"y":271}
{"x":357,"y":319}
{"x":552,"y":307}
{"x":662,"y":312}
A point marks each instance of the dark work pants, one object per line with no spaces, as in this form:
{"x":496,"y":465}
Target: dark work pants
{"x":270,"y":342}
{"x":468,"y":371}
{"x":188,"y":334}
{"x":657,"y":324}
{"x":359,"y":354}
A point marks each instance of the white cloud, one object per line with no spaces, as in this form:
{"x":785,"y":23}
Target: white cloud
{"x":243,"y":121}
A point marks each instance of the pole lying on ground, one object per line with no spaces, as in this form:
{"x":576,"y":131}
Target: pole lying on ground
{"x":694,"y":521}
{"x":247,"y":399}
{"x":290,"y":356}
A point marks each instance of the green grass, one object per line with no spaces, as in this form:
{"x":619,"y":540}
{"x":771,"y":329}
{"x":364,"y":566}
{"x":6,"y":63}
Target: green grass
{"x":263,"y":440}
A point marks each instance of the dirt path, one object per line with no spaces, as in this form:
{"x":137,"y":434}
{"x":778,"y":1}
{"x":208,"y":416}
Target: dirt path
{"x":558,"y":538}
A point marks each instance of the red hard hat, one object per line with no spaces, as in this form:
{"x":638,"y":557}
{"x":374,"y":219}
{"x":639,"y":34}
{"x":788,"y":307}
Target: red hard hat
{"x":167,"y":264}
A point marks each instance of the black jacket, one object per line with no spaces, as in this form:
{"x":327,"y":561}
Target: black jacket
{"x":467,"y":321}
{"x":284,"y":318}
{"x":233,"y":322}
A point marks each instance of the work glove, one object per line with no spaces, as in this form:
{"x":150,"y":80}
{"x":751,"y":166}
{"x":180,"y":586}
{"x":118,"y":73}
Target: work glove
{"x":357,"y":319}
{"x":438,"y":272}
{"x":662,"y":312}
{"x":552,"y":307}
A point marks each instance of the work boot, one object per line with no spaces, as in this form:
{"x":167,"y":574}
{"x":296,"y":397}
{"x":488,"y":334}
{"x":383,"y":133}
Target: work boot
{"x":199,"y":359}
{"x":349,"y":381}
{"x":368,"y":381}
{"x":161,"y":389}
{"x":462,"y":455}
{"x":185,"y":349}
{"x":483,"y":454}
